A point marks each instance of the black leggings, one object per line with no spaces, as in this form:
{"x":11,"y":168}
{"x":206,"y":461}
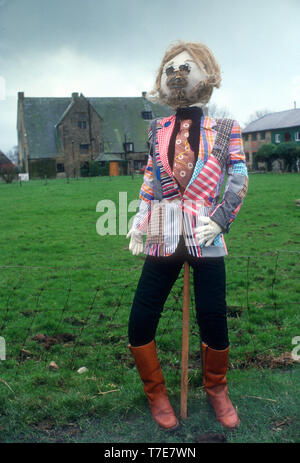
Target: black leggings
{"x":155,"y":283}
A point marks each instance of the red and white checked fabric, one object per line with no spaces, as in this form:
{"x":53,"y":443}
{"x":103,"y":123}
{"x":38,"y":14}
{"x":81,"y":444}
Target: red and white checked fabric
{"x":204,"y":186}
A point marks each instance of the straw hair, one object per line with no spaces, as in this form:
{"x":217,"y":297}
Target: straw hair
{"x":204,"y":59}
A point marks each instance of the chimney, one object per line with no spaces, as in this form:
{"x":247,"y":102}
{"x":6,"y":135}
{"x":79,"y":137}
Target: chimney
{"x":20,"y":96}
{"x":294,"y":104}
{"x":75,"y":95}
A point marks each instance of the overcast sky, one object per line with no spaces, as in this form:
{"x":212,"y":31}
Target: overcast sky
{"x":114,"y":47}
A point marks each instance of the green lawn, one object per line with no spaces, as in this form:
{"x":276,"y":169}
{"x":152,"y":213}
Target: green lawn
{"x":59,"y":278}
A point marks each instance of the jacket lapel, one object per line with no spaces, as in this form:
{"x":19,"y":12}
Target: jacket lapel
{"x":207,"y":138}
{"x":164,"y":132}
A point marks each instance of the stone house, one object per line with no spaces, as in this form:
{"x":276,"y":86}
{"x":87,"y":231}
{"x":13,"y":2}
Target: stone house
{"x":58,"y":137}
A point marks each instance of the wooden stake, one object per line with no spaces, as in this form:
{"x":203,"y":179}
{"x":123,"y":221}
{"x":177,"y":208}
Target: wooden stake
{"x":185,"y":342}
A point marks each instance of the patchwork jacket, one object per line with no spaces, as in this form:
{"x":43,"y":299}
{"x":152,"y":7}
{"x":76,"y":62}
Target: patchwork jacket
{"x":164,"y":213}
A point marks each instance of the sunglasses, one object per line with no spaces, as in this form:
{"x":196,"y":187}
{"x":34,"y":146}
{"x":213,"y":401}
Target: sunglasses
{"x":182,"y":68}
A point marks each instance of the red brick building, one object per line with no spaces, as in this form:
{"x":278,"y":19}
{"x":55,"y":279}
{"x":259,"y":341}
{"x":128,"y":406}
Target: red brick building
{"x":274,"y":128}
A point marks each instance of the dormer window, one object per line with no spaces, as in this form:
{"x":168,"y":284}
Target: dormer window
{"x":128,"y":147}
{"x":147,"y":115}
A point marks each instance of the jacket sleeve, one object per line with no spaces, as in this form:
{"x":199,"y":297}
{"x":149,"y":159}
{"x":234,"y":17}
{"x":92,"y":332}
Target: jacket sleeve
{"x":237,"y":182}
{"x":146,"y":194}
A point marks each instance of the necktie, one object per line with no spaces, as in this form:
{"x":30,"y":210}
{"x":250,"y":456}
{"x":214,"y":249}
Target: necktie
{"x":184,"y":156}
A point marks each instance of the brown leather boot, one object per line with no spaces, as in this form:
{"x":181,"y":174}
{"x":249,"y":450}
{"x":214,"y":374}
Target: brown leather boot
{"x":154,"y":385}
{"x":215,"y":365}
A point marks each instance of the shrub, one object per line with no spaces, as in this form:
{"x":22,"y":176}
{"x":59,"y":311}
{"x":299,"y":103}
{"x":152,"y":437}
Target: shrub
{"x":93,"y":169}
{"x":267,"y":153}
{"x":8,"y":172}
{"x":289,"y":151}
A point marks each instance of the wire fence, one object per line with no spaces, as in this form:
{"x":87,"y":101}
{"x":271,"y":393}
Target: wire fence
{"x":80,"y":313}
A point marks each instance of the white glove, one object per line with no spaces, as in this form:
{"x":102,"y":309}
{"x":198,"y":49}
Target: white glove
{"x":207,"y":232}
{"x":136,"y":244}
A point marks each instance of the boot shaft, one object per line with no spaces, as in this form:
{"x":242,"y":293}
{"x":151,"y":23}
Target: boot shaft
{"x":148,"y":366}
{"x":214,"y":366}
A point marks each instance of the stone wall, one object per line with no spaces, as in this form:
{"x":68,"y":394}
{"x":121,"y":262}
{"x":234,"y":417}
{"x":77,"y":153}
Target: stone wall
{"x":80,"y":136}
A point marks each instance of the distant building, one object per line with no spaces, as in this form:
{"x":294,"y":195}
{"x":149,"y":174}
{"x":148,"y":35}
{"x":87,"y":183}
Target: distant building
{"x":5,"y":165}
{"x":274,"y":128}
{"x":5,"y":161}
{"x":60,"y":136}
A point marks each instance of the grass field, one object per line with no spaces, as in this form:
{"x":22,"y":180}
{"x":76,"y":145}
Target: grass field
{"x":62,"y":281}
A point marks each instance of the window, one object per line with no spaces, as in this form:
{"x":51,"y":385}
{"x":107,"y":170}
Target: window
{"x":60,"y":167}
{"x":254,"y":136}
{"x":84,"y":149}
{"x":262,"y":135}
{"x":82,"y":124}
{"x":297,"y":136}
{"x":147,"y":115}
{"x":128,"y":147}
{"x":246,"y":137}
{"x":247,"y":156}
{"x":277,"y":138}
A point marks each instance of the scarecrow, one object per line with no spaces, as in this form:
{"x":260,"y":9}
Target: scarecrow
{"x":184,"y":218}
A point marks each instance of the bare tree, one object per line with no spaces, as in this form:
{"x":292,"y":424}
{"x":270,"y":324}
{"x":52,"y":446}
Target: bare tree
{"x":257,"y":115}
{"x":215,"y":111}
{"x":13,"y":155}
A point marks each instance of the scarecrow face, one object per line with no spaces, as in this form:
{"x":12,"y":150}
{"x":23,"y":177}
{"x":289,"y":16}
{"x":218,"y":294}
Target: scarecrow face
{"x":181,"y":81}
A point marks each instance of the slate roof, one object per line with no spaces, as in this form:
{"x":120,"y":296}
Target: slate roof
{"x":121,"y":115}
{"x":278,"y":120}
{"x":40,"y":116}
